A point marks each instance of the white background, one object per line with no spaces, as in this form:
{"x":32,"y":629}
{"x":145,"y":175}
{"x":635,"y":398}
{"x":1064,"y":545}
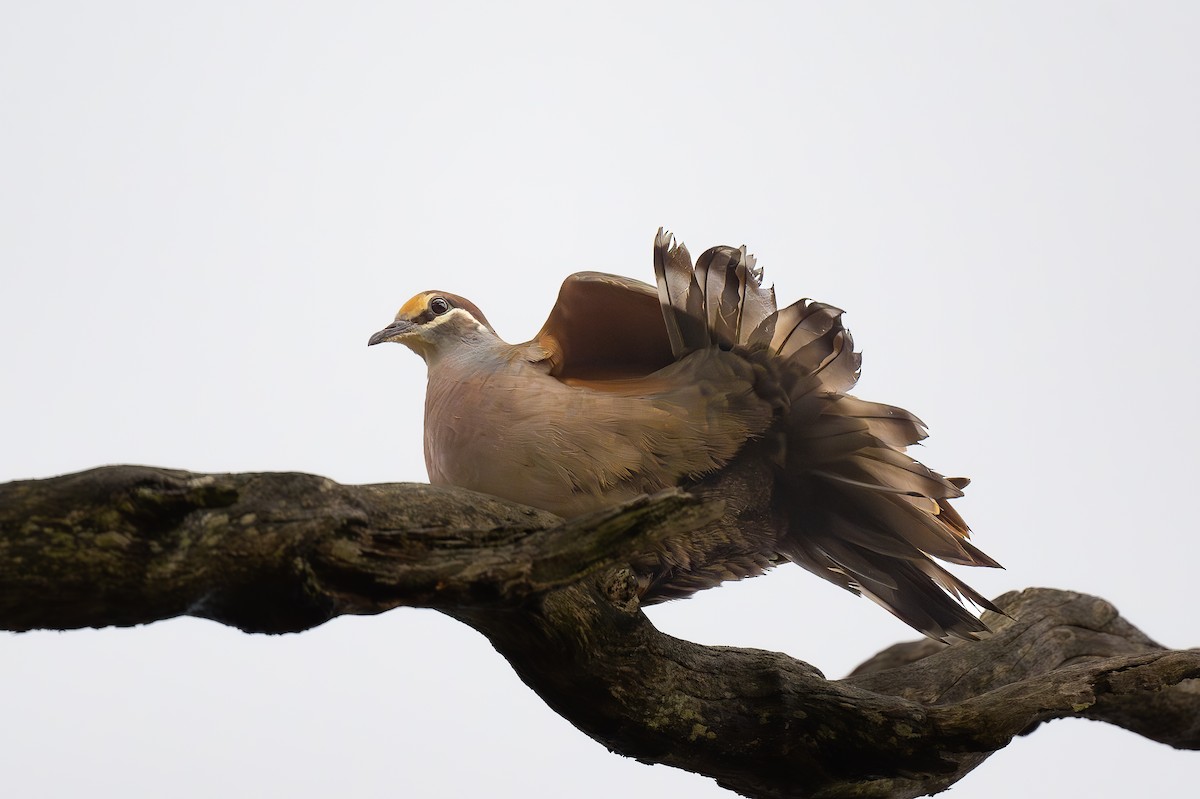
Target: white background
{"x":207,"y":208}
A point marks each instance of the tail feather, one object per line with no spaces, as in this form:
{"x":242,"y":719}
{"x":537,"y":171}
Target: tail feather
{"x":758,"y":303}
{"x":698,"y":300}
{"x":826,"y":367}
{"x":893,"y":469}
{"x":868,"y":535}
{"x":825,"y":440}
{"x":956,"y":587}
{"x":795,"y":326}
{"x":924,"y":604}
{"x":716,"y":271}
{"x":893,"y":426}
{"x":886,"y":521}
{"x":861,"y":513}
{"x":977,"y":556}
{"x":724,"y":295}
{"x":734,"y":299}
{"x":677,"y":292}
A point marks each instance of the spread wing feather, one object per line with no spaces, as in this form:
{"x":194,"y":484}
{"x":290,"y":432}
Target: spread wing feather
{"x":861,"y":512}
{"x":678,"y":292}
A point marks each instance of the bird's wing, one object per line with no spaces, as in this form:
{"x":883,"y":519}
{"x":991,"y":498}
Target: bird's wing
{"x":654,"y":418}
{"x":603,"y":327}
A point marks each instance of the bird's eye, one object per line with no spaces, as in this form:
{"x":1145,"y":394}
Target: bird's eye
{"x":439,"y":305}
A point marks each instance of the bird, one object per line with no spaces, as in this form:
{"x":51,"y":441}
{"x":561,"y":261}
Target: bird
{"x":699,"y":382}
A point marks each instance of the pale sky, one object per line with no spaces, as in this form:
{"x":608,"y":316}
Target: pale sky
{"x":207,"y":208}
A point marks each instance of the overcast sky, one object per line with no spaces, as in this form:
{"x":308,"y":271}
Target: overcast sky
{"x":207,"y":208}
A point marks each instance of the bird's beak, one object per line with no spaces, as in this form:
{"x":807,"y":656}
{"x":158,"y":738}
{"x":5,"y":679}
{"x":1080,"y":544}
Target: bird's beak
{"x":392,"y":332}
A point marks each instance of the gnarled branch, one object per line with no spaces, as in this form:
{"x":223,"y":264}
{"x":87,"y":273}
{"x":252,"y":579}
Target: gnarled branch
{"x":560,"y":600}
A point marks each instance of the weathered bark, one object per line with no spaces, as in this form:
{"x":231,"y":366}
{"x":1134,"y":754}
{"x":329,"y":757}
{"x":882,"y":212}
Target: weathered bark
{"x":560,"y":600}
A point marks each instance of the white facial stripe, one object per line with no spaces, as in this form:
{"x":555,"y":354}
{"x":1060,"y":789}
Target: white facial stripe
{"x":454,"y":313}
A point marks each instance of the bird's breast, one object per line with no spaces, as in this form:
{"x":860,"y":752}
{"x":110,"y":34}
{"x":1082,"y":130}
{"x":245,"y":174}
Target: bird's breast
{"x":523,"y":436}
{"x":518,"y":433}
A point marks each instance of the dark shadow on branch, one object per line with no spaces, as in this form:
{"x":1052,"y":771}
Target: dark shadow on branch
{"x":562,"y":602}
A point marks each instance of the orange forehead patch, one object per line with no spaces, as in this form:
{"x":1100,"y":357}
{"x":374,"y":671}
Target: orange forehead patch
{"x":414,"y":307}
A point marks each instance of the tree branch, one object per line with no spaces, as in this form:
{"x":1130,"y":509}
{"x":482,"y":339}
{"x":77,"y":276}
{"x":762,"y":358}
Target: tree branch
{"x":561,"y":601}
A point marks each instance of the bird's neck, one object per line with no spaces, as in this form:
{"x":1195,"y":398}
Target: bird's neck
{"x":469,"y":350}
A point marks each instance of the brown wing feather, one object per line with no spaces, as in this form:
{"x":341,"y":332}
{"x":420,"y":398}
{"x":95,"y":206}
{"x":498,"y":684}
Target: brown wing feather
{"x":718,"y":267}
{"x":677,"y":291}
{"x":604,"y":327}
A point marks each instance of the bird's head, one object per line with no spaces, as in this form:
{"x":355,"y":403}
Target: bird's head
{"x":434,"y":322}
